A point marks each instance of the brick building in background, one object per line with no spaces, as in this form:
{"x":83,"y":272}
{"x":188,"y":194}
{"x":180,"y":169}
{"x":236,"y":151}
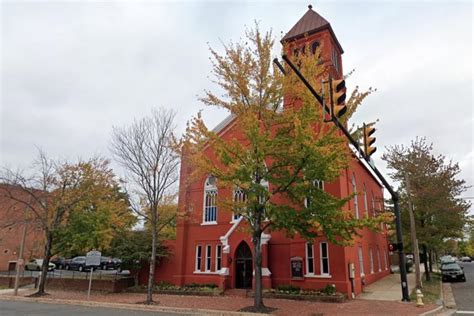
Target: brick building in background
{"x":12,"y":223}
{"x":211,"y":248}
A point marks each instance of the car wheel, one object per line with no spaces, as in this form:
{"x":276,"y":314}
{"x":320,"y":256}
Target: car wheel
{"x":67,"y":267}
{"x":119,"y":269}
{"x":80,"y":269}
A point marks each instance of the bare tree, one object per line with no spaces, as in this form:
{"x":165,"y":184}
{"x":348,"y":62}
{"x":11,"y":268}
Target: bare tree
{"x":146,"y":150}
{"x":34,"y":192}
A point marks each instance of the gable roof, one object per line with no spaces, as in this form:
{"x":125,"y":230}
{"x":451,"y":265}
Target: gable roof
{"x":310,"y":23}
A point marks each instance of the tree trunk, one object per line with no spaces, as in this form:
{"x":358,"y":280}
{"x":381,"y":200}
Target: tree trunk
{"x":257,"y":245}
{"x":427,"y":270}
{"x":44,"y":270}
{"x":151,"y":274}
{"x":430,"y":257}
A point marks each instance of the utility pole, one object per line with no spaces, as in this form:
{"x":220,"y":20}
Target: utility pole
{"x":395,"y":197}
{"x":414,"y":240}
{"x":20,"y":261}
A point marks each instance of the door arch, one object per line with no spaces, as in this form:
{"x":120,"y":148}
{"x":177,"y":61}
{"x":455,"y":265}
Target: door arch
{"x":243,"y":266}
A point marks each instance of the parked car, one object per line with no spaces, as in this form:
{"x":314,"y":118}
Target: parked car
{"x":60,"y":262}
{"x":36,"y":264}
{"x":106,"y":263}
{"x":466,"y":259}
{"x":77,"y":263}
{"x":117,"y":264}
{"x":452,"y":271}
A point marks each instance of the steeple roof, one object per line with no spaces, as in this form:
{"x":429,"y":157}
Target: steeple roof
{"x":310,"y":23}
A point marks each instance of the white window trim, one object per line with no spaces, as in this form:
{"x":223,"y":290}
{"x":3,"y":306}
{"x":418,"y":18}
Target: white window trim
{"x":356,"y":202}
{"x":205,"y":272}
{"x":360,"y":255}
{"x":320,"y":184}
{"x":321,"y":258}
{"x":198,"y":260}
{"x":308,"y":274}
{"x":208,"y":188}
{"x":208,"y":258}
{"x":218,"y":257}
{"x":371,"y":257}
{"x":379,"y":260}
{"x":366,"y":204}
{"x":385,"y":259}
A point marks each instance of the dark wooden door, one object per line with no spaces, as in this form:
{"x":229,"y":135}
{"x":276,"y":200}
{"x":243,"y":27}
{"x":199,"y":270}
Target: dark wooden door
{"x":243,"y":267}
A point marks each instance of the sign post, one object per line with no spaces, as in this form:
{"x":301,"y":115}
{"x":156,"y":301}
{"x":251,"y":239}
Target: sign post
{"x":92,"y":261}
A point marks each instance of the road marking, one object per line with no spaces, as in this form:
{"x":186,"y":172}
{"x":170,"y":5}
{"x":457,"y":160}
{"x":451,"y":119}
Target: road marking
{"x":465,"y":312}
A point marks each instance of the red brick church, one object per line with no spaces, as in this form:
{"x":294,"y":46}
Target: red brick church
{"x":210,"y":247}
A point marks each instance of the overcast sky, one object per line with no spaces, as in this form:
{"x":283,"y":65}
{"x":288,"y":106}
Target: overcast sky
{"x":70,"y":70}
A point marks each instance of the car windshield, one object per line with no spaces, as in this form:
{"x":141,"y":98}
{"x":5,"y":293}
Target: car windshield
{"x":451,"y":266}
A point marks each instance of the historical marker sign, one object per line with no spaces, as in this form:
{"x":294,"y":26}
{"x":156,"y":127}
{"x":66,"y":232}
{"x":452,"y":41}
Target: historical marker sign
{"x":93,"y":258}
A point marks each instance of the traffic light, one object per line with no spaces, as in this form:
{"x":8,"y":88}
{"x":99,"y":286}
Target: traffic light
{"x":369,"y":141}
{"x":392,"y":247}
{"x":338,"y":93}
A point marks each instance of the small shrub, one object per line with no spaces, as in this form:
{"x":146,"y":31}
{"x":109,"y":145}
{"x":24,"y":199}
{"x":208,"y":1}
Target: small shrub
{"x":201,"y":286}
{"x":288,"y":288}
{"x":329,"y":289}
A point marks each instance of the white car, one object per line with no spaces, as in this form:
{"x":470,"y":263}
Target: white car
{"x":36,"y":264}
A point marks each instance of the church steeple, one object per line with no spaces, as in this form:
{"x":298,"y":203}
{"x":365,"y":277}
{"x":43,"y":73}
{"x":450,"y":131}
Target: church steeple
{"x":313,"y":31}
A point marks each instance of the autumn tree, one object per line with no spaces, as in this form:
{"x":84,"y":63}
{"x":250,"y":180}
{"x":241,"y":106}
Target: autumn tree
{"x":435,"y":189}
{"x":146,"y":150}
{"x":280,"y":151}
{"x":52,"y":191}
{"x":95,"y":222}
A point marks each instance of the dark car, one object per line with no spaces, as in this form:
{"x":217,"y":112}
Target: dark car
{"x":60,"y":262}
{"x":106,"y":263}
{"x":117,"y":264}
{"x":77,"y":263}
{"x":452,"y":271}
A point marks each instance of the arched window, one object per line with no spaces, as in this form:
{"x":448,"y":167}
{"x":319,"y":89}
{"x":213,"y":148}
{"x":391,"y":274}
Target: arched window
{"x":318,"y":184}
{"x":366,"y":204}
{"x":314,"y":47}
{"x":210,"y":200}
{"x":239,"y":197}
{"x":354,"y":190}
{"x":373,"y":204}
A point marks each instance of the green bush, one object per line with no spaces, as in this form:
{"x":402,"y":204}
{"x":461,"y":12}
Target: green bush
{"x":201,"y":285}
{"x":329,"y":289}
{"x":288,"y":288}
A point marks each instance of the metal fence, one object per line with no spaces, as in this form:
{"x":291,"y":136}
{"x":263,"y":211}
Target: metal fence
{"x":71,"y":274}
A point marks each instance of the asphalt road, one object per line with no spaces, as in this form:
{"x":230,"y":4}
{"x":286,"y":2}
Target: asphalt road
{"x":14,"y":308}
{"x":464,"y":291}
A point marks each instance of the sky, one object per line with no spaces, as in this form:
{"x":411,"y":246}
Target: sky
{"x":71,"y":70}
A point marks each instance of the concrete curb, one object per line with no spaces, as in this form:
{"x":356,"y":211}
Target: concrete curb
{"x":448,"y":297}
{"x":137,"y":307}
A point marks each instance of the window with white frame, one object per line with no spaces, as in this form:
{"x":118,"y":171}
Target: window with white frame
{"x":354,"y":190}
{"x":361,"y":262}
{"x":324,"y":254}
{"x":208,"y":257}
{"x":373,"y":204}
{"x":218,"y":257}
{"x":198,"y":258}
{"x":385,"y":259}
{"x":210,"y":200}
{"x":309,"y":258}
{"x":239,"y":198}
{"x":379,"y":260}
{"x":318,"y":184}
{"x":366,"y":205}
{"x":371,"y":257}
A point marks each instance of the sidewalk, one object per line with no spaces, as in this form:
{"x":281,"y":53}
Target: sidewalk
{"x":224,"y":305}
{"x":389,"y":288}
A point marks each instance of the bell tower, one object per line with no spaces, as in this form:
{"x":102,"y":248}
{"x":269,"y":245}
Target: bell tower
{"x":313,"y":31}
